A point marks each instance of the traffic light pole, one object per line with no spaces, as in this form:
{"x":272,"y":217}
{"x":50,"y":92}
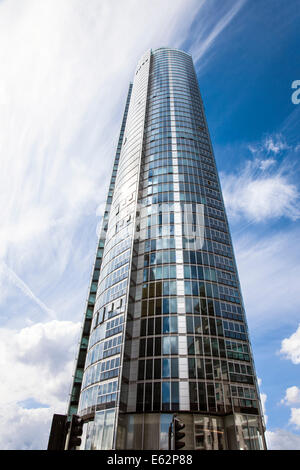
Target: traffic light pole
{"x":170,"y":436}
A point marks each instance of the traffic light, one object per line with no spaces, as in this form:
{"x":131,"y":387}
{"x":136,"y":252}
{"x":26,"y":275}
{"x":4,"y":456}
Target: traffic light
{"x":178,"y":425}
{"x":75,"y":432}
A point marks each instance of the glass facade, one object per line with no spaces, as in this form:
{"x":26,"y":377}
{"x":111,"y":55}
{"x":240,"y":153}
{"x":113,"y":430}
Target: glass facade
{"x":168,"y":332}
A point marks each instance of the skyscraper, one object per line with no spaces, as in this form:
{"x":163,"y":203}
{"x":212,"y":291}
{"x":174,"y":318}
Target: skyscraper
{"x":165,"y":331}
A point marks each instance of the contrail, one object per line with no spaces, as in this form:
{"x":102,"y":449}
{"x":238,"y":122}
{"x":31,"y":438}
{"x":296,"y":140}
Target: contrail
{"x":203,"y":45}
{"x":25,"y":289}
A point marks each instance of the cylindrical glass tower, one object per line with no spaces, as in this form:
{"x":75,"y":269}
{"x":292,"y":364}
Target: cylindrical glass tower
{"x":168,"y":334}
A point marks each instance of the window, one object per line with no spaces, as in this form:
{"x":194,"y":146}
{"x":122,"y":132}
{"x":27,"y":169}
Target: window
{"x":170,"y":345}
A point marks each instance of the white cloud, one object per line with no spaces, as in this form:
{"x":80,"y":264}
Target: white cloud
{"x":290,"y":347}
{"x":25,"y":429}
{"x":295,"y":417}
{"x":36,"y":360}
{"x":258,"y":195}
{"x":292,"y":396}
{"x":280,"y":439}
{"x":37,"y":364}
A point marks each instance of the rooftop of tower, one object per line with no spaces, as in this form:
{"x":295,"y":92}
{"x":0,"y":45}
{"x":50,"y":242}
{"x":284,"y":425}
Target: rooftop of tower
{"x":170,"y":49}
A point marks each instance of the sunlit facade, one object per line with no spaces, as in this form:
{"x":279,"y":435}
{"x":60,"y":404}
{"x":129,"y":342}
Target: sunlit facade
{"x":165,"y":329}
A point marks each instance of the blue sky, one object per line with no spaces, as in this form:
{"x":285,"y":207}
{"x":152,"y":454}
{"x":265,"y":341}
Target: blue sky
{"x":66,"y":65}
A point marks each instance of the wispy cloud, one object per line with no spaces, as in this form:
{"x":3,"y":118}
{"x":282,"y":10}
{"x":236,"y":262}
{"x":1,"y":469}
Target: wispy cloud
{"x":266,"y":164}
{"x":216,"y":19}
{"x":269,"y":271}
{"x":275,"y":145}
{"x":271,"y":144}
